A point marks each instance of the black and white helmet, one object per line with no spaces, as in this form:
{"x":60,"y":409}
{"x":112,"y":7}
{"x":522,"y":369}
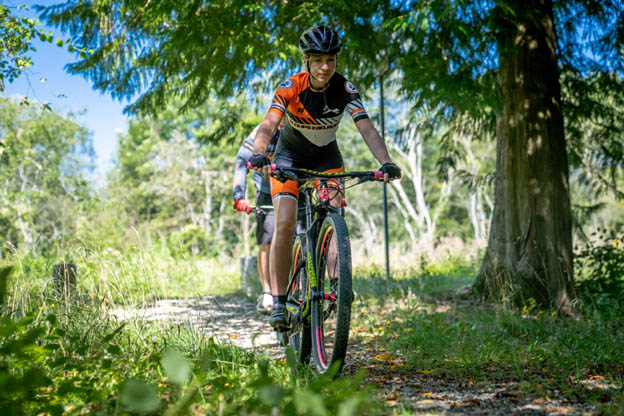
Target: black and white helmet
{"x":320,"y":40}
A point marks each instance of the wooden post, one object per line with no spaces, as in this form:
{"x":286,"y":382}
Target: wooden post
{"x":250,"y":277}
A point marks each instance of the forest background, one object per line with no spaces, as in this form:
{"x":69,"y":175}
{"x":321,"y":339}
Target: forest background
{"x":162,"y":223}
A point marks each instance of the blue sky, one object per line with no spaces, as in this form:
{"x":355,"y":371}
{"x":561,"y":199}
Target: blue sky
{"x":70,"y":93}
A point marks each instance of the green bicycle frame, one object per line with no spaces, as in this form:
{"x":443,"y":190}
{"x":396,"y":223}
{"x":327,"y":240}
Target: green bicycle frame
{"x":314,"y":216}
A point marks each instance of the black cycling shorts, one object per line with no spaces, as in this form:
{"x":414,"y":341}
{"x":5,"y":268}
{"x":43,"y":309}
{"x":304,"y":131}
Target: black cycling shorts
{"x":265,"y":222}
{"x":322,"y":159}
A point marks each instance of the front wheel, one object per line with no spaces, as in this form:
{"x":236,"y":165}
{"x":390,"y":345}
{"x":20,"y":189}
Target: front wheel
{"x":331,"y":314}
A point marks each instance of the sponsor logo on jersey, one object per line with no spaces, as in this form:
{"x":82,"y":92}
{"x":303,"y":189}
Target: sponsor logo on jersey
{"x":286,"y":84}
{"x":350,"y":88}
{"x":327,"y":110}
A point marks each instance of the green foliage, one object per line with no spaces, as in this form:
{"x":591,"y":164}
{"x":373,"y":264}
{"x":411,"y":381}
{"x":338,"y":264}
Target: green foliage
{"x":132,"y":42}
{"x":45,"y":364}
{"x":447,"y":52}
{"x":595,"y":125}
{"x":599,"y":268}
{"x":43,"y":165}
{"x":245,"y":386}
{"x":174,"y":183}
{"x":17,"y":34}
{"x":516,"y":343}
{"x":189,"y":240}
{"x":66,"y":356}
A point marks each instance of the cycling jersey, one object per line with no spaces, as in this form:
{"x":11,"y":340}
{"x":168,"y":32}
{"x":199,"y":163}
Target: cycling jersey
{"x":240,"y":166}
{"x":314,"y":116}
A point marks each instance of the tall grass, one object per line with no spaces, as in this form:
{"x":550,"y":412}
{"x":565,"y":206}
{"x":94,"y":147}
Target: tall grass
{"x":135,"y":276}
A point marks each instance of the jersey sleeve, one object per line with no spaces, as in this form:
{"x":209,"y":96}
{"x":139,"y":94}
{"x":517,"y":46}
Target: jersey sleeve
{"x":284,"y":95}
{"x":240,"y":167}
{"x":354,"y":102}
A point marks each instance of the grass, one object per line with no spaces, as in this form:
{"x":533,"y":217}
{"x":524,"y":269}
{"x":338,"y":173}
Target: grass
{"x":133,"y":277}
{"x":73,"y":357}
{"x":425,"y":323}
{"x":79,"y":360}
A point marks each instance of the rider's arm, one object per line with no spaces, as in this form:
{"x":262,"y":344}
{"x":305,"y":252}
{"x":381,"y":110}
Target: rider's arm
{"x":264,"y":134}
{"x":240,"y":168}
{"x":373,"y":140}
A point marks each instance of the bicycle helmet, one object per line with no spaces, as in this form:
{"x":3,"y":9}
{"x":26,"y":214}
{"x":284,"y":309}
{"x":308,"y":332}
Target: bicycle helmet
{"x":320,"y":40}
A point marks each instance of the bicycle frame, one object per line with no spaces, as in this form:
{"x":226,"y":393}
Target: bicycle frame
{"x":308,"y":303}
{"x":315,"y":213}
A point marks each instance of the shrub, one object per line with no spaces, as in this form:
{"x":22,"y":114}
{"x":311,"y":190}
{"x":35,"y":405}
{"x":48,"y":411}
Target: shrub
{"x":599,"y":268}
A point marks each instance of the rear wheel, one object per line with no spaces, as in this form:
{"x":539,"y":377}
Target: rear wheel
{"x":331,"y":315}
{"x":298,"y":294}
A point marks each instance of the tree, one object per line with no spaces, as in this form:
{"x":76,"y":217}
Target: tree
{"x":502,"y":59}
{"x":152,"y":51}
{"x":174,"y":182}
{"x":16,"y":34}
{"x":530,"y":245}
{"x":41,"y":174}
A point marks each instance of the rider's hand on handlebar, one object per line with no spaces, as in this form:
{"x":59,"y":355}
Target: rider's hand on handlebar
{"x":242,"y":205}
{"x":390,"y":171}
{"x":261,"y":162}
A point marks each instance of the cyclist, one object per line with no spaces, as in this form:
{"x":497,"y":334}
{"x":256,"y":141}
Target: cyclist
{"x":264,"y":219}
{"x":314,"y":101}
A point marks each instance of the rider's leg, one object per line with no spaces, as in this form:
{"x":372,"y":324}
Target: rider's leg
{"x":285,"y":210}
{"x":265,"y":300}
{"x":264,"y":235}
{"x":263,"y":266}
{"x":285,"y":221}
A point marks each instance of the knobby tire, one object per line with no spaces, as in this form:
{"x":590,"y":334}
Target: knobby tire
{"x":331,"y":318}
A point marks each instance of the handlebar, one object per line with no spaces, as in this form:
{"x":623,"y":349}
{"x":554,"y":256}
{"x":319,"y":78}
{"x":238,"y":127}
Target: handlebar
{"x":307,"y":174}
{"x":262,"y":207}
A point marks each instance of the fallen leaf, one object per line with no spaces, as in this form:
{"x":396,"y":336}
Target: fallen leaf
{"x":393,"y":396}
{"x":542,"y":400}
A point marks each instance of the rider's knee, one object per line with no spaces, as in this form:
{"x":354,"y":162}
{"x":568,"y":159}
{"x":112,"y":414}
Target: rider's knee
{"x":285,"y":227}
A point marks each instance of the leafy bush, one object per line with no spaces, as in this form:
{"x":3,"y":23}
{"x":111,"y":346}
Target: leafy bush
{"x":38,"y":367}
{"x":191,"y":239}
{"x":600,"y":268}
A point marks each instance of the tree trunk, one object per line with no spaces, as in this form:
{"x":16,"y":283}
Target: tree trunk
{"x":529,"y":253}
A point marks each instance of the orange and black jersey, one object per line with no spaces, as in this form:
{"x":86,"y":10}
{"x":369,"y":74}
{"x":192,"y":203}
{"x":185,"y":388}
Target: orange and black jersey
{"x":314,"y":116}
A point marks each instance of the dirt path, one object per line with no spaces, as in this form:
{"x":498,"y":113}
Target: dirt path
{"x":418,"y":393}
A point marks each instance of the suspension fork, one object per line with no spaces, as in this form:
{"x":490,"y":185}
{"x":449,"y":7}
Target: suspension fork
{"x":311,"y":226}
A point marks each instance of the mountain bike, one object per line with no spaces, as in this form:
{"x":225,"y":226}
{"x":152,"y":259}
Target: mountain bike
{"x":319,"y":293}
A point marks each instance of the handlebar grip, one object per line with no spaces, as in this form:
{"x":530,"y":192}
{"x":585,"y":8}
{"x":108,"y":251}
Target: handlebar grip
{"x":273,"y":166}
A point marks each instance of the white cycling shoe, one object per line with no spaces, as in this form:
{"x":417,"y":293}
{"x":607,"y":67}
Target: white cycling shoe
{"x":264,"y":304}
